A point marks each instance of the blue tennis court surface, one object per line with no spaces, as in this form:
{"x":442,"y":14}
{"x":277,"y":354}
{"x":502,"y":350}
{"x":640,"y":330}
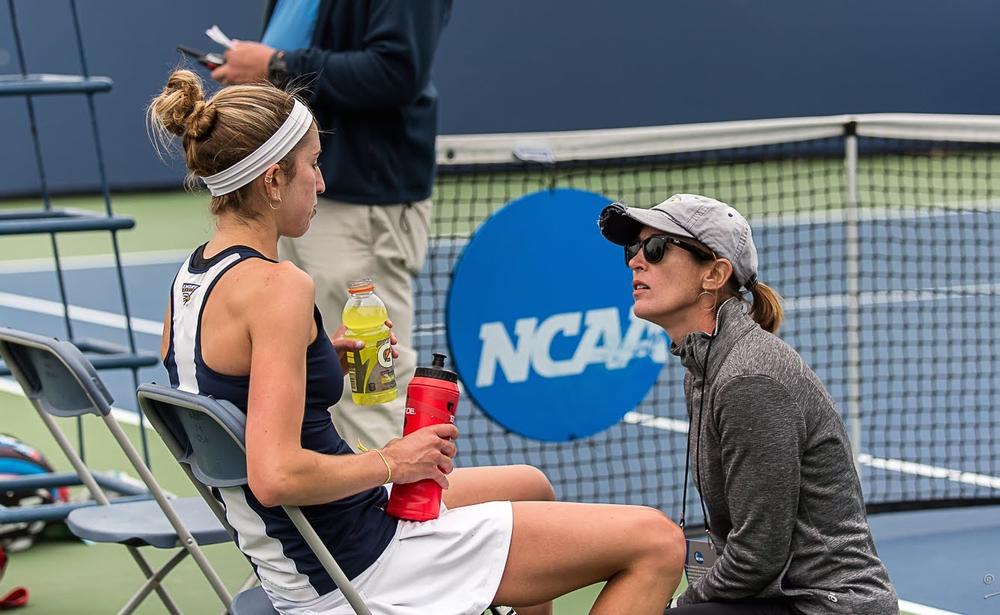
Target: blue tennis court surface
{"x":949,"y":559}
{"x":926,"y":352}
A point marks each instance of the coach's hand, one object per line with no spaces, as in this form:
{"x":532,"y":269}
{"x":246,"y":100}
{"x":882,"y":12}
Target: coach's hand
{"x":246,"y":62}
{"x":425,"y":453}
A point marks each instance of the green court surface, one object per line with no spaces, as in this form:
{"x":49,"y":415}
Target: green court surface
{"x":164,"y":221}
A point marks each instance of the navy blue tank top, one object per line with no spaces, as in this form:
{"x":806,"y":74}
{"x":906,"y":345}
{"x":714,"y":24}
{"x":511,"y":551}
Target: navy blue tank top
{"x":356,"y":528}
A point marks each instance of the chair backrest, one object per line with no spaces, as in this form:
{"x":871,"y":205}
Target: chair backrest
{"x":205,"y":434}
{"x":54,"y":374}
{"x":209,"y":437}
{"x":61,"y":382}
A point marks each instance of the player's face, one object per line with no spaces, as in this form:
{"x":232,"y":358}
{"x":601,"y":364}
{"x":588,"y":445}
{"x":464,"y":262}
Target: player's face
{"x":299,"y":205}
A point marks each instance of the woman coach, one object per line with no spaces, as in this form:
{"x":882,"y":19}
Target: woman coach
{"x":769,"y":451}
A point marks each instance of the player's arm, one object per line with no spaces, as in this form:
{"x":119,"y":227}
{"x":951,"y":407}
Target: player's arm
{"x":280,"y":471}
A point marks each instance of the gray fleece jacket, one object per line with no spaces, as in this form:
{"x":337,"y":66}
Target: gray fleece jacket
{"x":774,"y":466}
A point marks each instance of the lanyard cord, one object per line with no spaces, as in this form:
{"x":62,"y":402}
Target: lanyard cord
{"x":687,"y":454}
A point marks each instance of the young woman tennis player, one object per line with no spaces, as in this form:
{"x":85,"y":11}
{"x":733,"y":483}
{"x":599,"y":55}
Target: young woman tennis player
{"x":242,"y":326}
{"x":770,"y":456}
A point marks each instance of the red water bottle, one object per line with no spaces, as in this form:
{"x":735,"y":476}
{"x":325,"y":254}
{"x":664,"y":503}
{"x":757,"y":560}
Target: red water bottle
{"x":431,"y":399}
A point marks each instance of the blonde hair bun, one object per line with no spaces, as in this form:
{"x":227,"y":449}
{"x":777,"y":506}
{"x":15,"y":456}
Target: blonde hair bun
{"x":181,"y":107}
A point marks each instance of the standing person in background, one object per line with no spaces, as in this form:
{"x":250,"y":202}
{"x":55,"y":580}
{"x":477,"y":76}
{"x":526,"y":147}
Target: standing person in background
{"x":366,"y":68}
{"x":768,"y":449}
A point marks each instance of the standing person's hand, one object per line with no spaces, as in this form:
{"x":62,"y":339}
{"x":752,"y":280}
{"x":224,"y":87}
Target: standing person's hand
{"x":246,"y":62}
{"x":425,"y":453}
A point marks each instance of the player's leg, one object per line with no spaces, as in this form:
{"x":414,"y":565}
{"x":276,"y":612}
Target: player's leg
{"x":515,"y":483}
{"x":557,"y":547}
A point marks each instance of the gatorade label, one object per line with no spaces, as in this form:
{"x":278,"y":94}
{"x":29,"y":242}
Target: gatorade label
{"x":370,"y":368}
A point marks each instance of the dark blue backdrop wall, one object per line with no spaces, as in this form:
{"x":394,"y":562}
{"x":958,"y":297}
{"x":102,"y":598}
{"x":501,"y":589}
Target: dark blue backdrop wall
{"x":526,"y":65}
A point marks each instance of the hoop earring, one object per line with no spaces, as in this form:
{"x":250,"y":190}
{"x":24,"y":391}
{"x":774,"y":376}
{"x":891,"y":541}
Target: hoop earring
{"x":277,"y":200}
{"x":715,"y":300}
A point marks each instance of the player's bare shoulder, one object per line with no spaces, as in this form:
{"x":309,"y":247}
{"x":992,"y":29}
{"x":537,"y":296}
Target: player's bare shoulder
{"x":266,"y":285}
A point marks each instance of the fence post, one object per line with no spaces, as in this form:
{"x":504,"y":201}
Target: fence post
{"x":851,"y":254}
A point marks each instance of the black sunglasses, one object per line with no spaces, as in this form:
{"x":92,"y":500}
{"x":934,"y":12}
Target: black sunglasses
{"x":654,"y":247}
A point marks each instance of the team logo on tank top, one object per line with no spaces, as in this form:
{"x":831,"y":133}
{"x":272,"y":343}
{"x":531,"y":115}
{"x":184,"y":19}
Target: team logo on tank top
{"x":187,"y":289}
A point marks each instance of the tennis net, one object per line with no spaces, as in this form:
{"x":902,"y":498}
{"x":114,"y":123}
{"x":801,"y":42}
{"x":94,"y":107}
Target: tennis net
{"x":880,"y":232}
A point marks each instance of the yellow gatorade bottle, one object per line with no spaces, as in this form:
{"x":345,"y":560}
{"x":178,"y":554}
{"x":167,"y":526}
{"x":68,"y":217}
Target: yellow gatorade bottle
{"x":373,"y":379}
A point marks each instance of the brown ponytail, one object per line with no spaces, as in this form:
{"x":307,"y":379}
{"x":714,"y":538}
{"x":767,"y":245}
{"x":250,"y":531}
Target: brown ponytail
{"x":766,"y":309}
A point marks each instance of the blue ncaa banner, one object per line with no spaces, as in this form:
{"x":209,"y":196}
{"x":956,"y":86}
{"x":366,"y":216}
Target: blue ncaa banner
{"x":540,"y":324}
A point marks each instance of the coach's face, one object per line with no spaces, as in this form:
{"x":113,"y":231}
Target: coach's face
{"x":665,"y":292}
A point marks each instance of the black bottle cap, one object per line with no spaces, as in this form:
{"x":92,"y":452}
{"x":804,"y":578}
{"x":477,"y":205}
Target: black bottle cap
{"x":437,"y":370}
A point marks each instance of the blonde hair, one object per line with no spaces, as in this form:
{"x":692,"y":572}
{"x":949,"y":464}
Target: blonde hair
{"x":218,"y":132}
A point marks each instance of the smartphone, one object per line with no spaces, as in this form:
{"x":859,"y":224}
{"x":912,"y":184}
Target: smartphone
{"x":211,"y":61}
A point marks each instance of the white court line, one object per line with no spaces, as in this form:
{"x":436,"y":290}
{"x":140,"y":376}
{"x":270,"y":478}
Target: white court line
{"x":890,"y":465}
{"x":928,"y":471}
{"x":78,"y":313}
{"x":9,"y":385}
{"x":117,"y":321}
{"x":136,"y":259}
{"x":431,"y":329}
{"x":913,"y":608}
{"x":96,"y":261}
{"x":873,"y":214}
{"x":148,"y":257}
{"x":818,"y":302}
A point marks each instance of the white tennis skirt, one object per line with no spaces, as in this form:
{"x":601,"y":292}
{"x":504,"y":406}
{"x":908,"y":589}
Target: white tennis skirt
{"x":451,"y":565}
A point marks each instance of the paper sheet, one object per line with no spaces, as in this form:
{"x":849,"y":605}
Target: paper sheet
{"x":219,"y":37}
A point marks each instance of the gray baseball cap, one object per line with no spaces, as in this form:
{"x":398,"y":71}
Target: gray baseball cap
{"x":706,"y":220}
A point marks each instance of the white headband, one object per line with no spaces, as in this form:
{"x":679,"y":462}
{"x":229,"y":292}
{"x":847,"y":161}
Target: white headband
{"x":270,"y":152}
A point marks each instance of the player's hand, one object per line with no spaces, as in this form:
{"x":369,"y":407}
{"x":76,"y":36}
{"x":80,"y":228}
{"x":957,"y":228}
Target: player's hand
{"x":344,"y":345}
{"x":392,"y":340}
{"x":246,"y":62}
{"x":425,"y":453}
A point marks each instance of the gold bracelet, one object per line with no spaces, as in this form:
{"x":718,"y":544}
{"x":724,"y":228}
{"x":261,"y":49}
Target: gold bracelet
{"x":388,"y":477}
{"x":365,"y":449}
